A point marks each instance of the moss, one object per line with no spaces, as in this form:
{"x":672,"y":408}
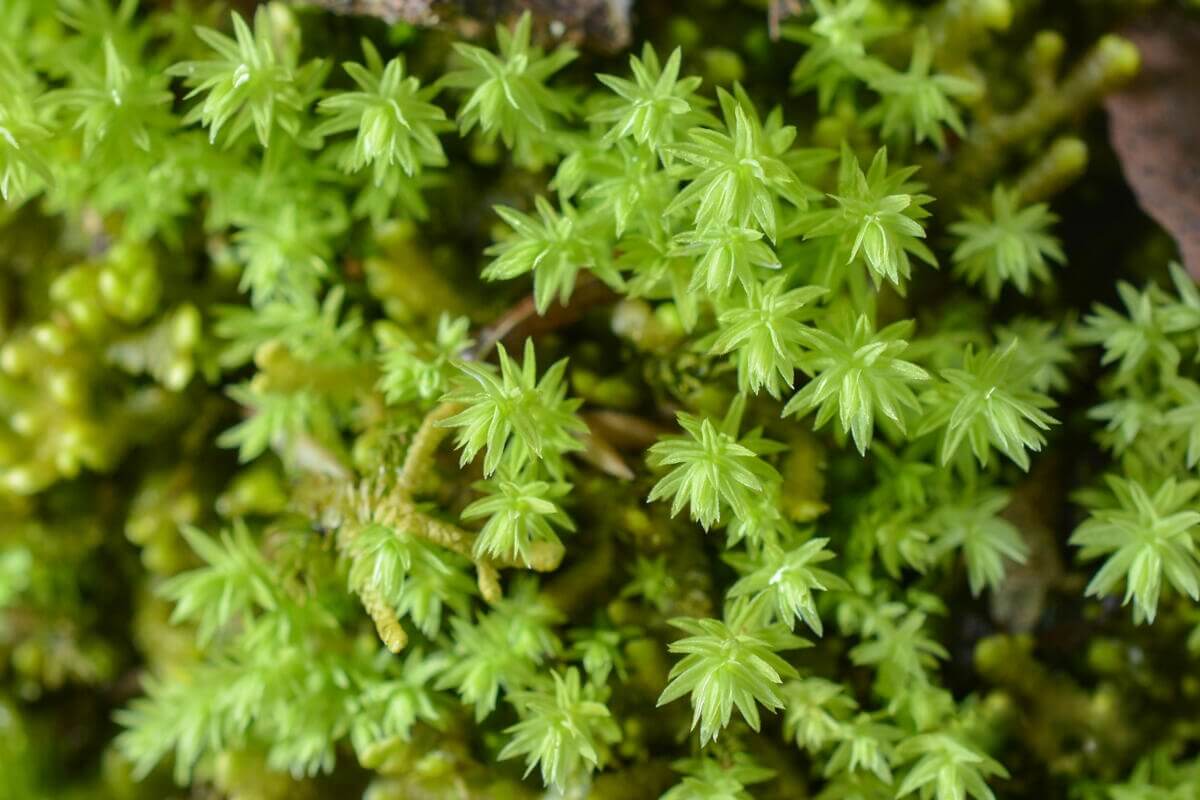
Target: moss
{"x":850,"y":453}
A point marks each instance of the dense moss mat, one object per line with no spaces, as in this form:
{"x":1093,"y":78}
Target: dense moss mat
{"x":795,"y":405}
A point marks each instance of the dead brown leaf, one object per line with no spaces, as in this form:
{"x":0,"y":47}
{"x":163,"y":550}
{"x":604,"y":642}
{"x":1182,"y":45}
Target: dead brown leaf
{"x":1154,"y":123}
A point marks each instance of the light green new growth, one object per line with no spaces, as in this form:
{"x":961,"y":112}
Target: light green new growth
{"x":118,"y":108}
{"x":554,"y":247}
{"x":706,"y":779}
{"x":789,"y":579}
{"x":503,"y":649}
{"x":714,"y":472}
{"x":515,"y":415}
{"x":1146,"y":537}
{"x":519,"y":512}
{"x":864,"y":745}
{"x":730,"y":664}
{"x":1141,"y":337}
{"x":236,"y":580}
{"x":508,"y":96}
{"x":737,"y":177}
{"x":856,"y":372}
{"x":22,"y":165}
{"x":836,"y":56}
{"x":1009,"y":245}
{"x":947,"y":768}
{"x":878,"y":218}
{"x":766,"y":333}
{"x":395,"y":124}
{"x":989,"y":403}
{"x":1185,"y":416}
{"x":986,"y":539}
{"x":565,"y":732}
{"x":817,"y":710}
{"x":914,"y":105}
{"x":725,"y":257}
{"x":656,"y":106}
{"x":253,"y":81}
{"x":420,"y":369}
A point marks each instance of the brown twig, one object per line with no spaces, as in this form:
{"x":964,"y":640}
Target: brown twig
{"x":424,"y":445}
{"x":523,"y":321}
{"x":625,"y":431}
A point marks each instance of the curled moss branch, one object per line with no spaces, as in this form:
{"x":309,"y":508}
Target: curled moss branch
{"x":424,"y":446}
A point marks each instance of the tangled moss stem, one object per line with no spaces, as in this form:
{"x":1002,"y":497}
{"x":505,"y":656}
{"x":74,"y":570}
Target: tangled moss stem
{"x":424,"y":446}
{"x":1055,"y":169}
{"x":387,"y":624}
{"x":1110,"y":63}
{"x":488,"y":579}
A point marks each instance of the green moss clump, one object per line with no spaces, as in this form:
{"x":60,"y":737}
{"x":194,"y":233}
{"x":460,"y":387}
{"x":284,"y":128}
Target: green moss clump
{"x":786,"y":410}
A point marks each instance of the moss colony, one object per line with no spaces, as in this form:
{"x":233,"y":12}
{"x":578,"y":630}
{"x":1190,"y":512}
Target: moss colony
{"x":784,"y":407}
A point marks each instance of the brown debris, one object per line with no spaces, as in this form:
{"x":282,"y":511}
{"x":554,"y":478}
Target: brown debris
{"x":601,"y":25}
{"x":778,"y":11}
{"x":600,"y":453}
{"x":1154,"y":124}
{"x":625,"y":431}
{"x":522,"y":320}
{"x":1019,"y":603}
